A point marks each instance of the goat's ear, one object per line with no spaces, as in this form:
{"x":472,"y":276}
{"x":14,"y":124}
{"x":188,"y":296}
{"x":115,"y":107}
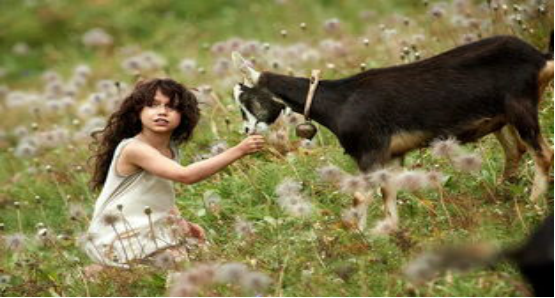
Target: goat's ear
{"x":250,"y":75}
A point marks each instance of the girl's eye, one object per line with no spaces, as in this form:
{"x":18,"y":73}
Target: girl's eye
{"x":157,"y":105}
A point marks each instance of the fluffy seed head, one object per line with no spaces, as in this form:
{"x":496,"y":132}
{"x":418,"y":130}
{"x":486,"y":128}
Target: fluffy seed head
{"x":351,"y":184}
{"x":380,"y":177}
{"x":15,"y":242}
{"x":448,"y":148}
{"x":243,"y":228}
{"x":288,"y":187}
{"x":255,"y":282}
{"x":468,"y":163}
{"x":164,"y":260}
{"x":331,"y":174}
{"x":230,"y":272}
{"x":110,"y":219}
{"x":411,"y":180}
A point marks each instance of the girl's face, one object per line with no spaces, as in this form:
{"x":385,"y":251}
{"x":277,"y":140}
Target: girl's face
{"x":160,"y":117}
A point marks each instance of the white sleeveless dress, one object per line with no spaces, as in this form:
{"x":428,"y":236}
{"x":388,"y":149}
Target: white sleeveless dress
{"x":120,"y":231}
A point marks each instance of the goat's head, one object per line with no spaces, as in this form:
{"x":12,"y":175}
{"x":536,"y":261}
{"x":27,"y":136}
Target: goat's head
{"x":259,"y":107}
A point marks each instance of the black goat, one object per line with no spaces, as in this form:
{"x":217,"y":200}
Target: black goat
{"x":467,"y":92}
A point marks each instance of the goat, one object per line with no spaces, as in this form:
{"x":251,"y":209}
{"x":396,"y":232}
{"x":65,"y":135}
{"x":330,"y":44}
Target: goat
{"x":534,"y":259}
{"x":467,"y":92}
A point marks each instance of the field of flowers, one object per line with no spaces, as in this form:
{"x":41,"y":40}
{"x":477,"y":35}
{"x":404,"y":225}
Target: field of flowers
{"x":283,"y":222}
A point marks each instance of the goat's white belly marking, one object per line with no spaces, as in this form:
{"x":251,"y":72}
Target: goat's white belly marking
{"x":405,"y":141}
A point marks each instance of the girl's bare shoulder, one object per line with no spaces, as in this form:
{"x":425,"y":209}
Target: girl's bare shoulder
{"x":137,"y":149}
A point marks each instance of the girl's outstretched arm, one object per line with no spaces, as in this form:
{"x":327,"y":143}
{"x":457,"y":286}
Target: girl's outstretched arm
{"x":151,"y":160}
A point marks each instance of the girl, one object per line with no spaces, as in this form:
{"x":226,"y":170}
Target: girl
{"x":136,"y":160}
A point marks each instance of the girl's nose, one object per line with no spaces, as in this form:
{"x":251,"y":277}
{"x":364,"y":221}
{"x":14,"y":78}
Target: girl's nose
{"x":162,"y":109}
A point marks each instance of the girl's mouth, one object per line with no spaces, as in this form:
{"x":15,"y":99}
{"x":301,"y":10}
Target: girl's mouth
{"x":161,"y":121}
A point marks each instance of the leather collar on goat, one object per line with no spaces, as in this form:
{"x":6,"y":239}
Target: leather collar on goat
{"x":314,"y":79}
{"x":307,"y":130}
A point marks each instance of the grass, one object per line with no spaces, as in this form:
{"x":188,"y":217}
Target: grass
{"x":312,"y":256}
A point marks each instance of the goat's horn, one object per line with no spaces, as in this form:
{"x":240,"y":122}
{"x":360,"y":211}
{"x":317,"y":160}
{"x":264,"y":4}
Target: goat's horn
{"x":238,"y":60}
{"x":250,"y":75}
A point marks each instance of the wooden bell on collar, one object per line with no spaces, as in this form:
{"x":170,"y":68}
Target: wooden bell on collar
{"x":307,"y":130}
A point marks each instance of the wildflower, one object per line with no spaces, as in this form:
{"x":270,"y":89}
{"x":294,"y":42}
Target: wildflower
{"x":447,"y":148}
{"x":468,"y":38}
{"x":43,"y":236}
{"x":351,"y":184}
{"x":132,"y":65}
{"x":331,"y":174}
{"x":288,"y":187}
{"x":212,"y":201}
{"x":24,"y":149}
{"x":219,"y":48}
{"x":108,"y":87}
{"x":437,"y":11}
{"x":230,"y":272}
{"x":201,"y":275}
{"x":148,"y":210}
{"x":87,"y":110}
{"x":468,"y":163}
{"x":188,"y":66}
{"x":332,"y":25}
{"x":288,"y":201}
{"x":183,"y":290}
{"x":380,"y":177}
{"x":363,"y":66}
{"x":76,"y":212}
{"x":85,"y":238}
{"x":110,"y":219}
{"x":82,"y":71}
{"x":366,"y":42}
{"x":423,"y":268}
{"x":21,"y":49}
{"x":280,"y":140}
{"x":355,"y":217}
{"x":97,"y":37}
{"x":164,"y":260}
{"x":411,"y":180}
{"x":5,"y":280}
{"x":435,"y":178}
{"x":302,"y":209}
{"x":218,"y":148}
{"x":255,"y":282}
{"x":243,"y":228}
{"x":15,"y":242}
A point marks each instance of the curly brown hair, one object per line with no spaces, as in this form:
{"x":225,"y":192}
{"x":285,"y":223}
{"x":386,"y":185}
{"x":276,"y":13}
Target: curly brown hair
{"x":126,"y":122}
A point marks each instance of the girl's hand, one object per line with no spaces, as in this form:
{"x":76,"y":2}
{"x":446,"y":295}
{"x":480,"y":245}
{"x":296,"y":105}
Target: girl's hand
{"x":251,"y":144}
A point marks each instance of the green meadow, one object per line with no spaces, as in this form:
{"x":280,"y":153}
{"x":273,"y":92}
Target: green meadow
{"x":59,"y":65}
